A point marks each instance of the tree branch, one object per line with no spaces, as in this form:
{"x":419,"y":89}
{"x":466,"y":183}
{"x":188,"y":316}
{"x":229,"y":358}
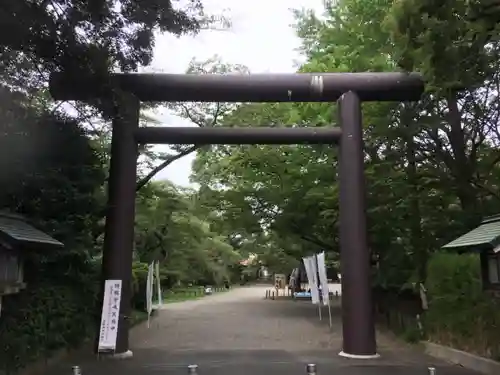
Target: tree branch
{"x":317,"y":242}
{"x":487,"y":189}
{"x":312,"y":239}
{"x":163,"y":165}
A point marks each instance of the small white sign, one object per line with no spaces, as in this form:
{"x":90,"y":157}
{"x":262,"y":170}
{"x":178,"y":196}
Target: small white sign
{"x":110,"y":314}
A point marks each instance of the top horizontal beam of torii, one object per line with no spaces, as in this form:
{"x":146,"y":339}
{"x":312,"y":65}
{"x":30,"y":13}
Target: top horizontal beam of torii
{"x":298,"y":87}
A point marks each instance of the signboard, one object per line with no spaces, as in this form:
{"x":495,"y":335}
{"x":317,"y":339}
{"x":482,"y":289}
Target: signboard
{"x":279,"y":281}
{"x":109,"y":317}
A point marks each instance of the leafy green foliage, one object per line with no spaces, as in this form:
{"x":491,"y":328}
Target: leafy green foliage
{"x":53,"y":167}
{"x":54,"y":316}
{"x":428,"y":177}
{"x":82,"y":36}
{"x":51,"y":174}
{"x":432,"y":37}
{"x":431,"y":167}
{"x":460,"y":313}
{"x":49,"y":170}
{"x":171,"y":228}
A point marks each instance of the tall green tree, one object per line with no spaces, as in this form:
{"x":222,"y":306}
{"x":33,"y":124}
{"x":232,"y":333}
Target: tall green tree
{"x":430,"y":166}
{"x":96,"y":36}
{"x":171,"y":228}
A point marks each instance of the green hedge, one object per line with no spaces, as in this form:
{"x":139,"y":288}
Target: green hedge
{"x":461,"y":314}
{"x":41,"y":320}
{"x":51,"y":313}
{"x":57,"y":310}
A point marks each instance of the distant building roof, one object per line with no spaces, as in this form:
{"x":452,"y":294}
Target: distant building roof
{"x":487,"y":233}
{"x":16,"y":231}
{"x":250,"y":260}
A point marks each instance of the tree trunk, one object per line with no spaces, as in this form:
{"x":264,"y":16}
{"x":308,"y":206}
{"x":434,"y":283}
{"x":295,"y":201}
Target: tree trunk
{"x":420,"y":251}
{"x":462,"y":170}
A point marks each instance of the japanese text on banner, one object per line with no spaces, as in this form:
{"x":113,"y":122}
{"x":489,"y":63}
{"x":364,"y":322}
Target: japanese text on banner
{"x":110,"y":315}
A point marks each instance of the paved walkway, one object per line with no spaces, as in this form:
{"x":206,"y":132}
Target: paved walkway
{"x":240,"y":333}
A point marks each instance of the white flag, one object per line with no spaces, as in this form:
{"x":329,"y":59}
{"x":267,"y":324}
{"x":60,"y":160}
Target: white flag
{"x":158,"y":283}
{"x":149,"y":290}
{"x":310,"y":265}
{"x":314,"y":268}
{"x":322,"y":278}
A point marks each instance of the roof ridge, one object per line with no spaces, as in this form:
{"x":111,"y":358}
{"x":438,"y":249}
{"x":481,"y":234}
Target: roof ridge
{"x":491,"y":219}
{"x":11,"y":215}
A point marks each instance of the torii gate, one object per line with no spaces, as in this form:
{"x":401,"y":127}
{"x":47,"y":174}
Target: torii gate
{"x":126,"y":91}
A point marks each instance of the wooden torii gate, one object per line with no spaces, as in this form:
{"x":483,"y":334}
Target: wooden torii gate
{"x":126,"y":91}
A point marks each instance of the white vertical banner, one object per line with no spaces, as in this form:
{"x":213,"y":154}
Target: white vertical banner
{"x":308,"y":272}
{"x":323,"y":280}
{"x":158,"y":284}
{"x":109,"y":316}
{"x":149,"y":290}
{"x":314,"y":271}
{"x":310,"y":266}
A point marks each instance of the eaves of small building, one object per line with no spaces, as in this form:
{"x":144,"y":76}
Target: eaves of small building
{"x":485,"y":240}
{"x":17,"y":238}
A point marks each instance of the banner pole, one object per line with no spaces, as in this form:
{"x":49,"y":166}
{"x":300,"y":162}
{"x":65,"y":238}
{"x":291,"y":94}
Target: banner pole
{"x":329,"y":312}
{"x":316,"y":271}
{"x":158,"y":284}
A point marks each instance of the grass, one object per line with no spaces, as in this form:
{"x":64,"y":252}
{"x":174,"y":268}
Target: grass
{"x":172,"y":296}
{"x":138,"y":317}
{"x":186,"y":294}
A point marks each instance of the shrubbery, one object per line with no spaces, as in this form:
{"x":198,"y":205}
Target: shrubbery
{"x":55,"y":313}
{"x":50,"y":314}
{"x":461,"y":314}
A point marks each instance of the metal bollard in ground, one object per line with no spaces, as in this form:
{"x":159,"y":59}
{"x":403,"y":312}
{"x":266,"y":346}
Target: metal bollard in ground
{"x":76,"y":370}
{"x":193,"y":369}
{"x":432,"y":370}
{"x":311,"y":369}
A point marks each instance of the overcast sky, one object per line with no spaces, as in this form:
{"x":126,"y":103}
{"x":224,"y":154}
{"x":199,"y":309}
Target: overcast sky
{"x":261,"y":38}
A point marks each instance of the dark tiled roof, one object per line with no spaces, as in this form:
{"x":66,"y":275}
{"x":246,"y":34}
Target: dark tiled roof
{"x":17,"y":229}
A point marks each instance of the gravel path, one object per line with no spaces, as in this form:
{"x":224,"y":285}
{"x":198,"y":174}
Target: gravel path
{"x":242,"y":327}
{"x":238,"y":320}
{"x":241,"y":333}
